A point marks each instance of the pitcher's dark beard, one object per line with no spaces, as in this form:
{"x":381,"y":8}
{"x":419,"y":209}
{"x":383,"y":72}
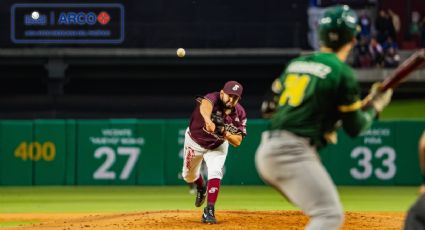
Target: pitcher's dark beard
{"x":225,"y":106}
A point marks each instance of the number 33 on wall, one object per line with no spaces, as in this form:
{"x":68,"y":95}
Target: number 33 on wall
{"x":364,"y":171}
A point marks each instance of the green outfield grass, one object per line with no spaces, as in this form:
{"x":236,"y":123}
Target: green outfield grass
{"x":45,"y":199}
{"x":404,"y":109}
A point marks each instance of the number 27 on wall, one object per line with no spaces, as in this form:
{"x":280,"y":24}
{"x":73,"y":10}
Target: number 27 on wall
{"x":104,"y":173}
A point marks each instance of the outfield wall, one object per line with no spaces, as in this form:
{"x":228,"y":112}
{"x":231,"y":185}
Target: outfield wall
{"x":149,"y":152}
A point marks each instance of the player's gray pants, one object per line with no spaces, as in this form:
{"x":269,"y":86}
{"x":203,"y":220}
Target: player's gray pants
{"x":290,"y":164}
{"x":415,"y":218}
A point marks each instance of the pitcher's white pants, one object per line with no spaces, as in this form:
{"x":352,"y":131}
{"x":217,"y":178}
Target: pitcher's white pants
{"x":194,"y":154}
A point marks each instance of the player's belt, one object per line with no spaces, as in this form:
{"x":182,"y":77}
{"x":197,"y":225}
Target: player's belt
{"x":274,"y":133}
{"x":280,"y":133}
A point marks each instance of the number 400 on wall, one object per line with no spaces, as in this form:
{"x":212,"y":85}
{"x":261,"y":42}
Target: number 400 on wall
{"x":35,"y":151}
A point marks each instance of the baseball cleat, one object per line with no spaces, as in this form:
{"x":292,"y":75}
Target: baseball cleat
{"x":201,"y":193}
{"x":208,"y":216}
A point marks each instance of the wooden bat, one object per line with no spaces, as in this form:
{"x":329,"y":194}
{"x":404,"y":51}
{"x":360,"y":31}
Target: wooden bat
{"x":414,"y":62}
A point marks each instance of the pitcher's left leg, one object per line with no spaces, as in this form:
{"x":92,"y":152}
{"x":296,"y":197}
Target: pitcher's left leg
{"x":214,"y":160}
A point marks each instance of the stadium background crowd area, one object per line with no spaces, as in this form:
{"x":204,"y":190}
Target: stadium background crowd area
{"x":383,"y":34}
{"x":378,"y":40}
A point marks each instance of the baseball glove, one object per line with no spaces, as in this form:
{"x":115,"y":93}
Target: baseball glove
{"x":232,"y":129}
{"x":218,"y":120}
{"x":268,"y":108}
{"x":269,"y":104}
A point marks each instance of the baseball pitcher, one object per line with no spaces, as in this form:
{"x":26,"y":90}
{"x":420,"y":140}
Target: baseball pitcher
{"x":217,"y":120}
{"x":314,"y":95}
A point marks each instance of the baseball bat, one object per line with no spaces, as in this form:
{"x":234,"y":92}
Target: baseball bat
{"x":414,"y":62}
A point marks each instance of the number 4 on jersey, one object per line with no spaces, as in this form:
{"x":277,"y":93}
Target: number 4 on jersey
{"x":295,"y":86}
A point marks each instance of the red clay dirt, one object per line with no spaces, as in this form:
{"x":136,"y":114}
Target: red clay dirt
{"x":191,"y":220}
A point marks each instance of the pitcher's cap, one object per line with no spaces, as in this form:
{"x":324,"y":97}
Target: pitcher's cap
{"x":233,"y":88}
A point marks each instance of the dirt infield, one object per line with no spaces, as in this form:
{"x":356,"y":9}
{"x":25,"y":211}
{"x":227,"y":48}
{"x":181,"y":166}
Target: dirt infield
{"x":191,"y":220}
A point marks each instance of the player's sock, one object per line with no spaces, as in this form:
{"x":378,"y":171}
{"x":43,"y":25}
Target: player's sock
{"x":213,"y":189}
{"x":199,"y":182}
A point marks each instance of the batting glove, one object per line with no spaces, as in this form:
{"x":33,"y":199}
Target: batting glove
{"x":379,"y":100}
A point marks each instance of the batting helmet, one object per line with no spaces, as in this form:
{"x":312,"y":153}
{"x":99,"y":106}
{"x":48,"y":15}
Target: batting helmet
{"x":337,"y":26}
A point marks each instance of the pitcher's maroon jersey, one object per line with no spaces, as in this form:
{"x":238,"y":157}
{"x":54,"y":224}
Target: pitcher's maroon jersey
{"x":236,"y":119}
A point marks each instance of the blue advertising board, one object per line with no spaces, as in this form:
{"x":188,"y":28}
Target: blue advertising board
{"x":67,"y":23}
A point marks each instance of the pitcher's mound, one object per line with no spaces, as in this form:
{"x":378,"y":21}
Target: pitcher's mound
{"x":192,"y":220}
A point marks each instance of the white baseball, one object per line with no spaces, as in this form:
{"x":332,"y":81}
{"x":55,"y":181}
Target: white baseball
{"x":181,"y":52}
{"x":35,"y":15}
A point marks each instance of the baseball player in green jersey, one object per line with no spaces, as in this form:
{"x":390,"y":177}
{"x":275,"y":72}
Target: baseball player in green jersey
{"x":314,"y":95}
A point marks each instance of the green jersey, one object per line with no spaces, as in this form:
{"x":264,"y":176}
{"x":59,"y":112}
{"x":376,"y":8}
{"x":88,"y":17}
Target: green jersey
{"x":315,"y":92}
